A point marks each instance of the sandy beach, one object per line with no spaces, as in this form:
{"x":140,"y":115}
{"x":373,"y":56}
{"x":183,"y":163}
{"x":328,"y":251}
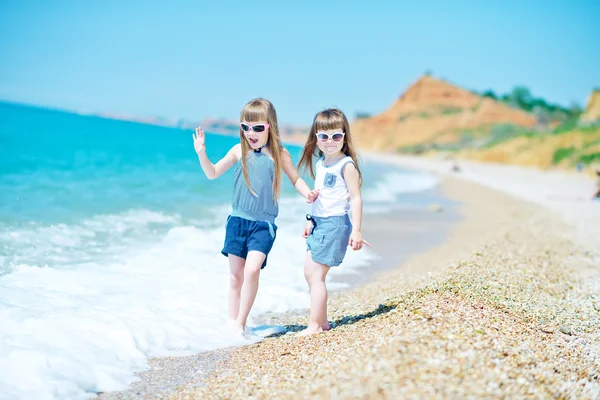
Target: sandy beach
{"x":399,"y":234}
{"x":506,"y":305}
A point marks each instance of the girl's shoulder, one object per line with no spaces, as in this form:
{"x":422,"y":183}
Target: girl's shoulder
{"x":348,"y":165}
{"x":349,"y":171}
{"x":347,"y":162}
{"x":285,"y":154}
{"x":236,"y":150}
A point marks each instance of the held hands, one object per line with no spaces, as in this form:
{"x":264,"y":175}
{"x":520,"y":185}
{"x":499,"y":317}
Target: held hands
{"x":356,"y":241}
{"x":199,"y":141}
{"x":307,"y":229}
{"x":312,"y":196}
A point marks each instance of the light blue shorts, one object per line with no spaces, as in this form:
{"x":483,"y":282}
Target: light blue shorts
{"x":328,"y":240}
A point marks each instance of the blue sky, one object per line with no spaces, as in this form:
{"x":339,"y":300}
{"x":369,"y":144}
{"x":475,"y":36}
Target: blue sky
{"x":207,"y":59}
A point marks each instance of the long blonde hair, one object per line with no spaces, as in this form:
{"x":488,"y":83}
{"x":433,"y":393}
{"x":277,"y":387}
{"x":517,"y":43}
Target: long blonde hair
{"x":262,"y":110}
{"x":328,"y":119}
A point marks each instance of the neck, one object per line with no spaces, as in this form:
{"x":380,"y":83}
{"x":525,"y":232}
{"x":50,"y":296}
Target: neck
{"x":331,"y":158}
{"x":261,"y":147}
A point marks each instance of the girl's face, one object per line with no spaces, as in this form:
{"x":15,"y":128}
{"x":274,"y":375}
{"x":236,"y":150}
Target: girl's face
{"x":330,"y":142}
{"x":257,"y":133}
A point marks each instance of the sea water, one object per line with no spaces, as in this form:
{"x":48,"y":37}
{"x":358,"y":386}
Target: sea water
{"x":110,"y":240}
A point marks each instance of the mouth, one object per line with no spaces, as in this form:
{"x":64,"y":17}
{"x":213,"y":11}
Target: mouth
{"x":253,"y":141}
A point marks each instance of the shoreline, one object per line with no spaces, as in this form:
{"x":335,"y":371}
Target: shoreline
{"x":167,"y":373}
{"x":506,"y":307}
{"x":401,"y":234}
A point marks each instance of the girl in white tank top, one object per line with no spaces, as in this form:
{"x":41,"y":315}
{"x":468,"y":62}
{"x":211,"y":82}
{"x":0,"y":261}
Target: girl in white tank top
{"x":330,"y":230}
{"x":334,"y":198}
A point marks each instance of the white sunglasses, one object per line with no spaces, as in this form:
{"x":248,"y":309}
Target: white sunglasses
{"x":335,"y":136}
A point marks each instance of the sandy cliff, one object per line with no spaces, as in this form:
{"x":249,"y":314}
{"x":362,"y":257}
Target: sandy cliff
{"x":592,"y":111}
{"x":430,"y":109}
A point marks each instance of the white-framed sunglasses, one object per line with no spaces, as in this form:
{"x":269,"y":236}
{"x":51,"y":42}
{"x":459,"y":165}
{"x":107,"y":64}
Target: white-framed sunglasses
{"x":335,"y":136}
{"x":258,"y":128}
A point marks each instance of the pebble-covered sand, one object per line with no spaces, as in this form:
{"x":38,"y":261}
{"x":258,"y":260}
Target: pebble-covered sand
{"x":505,"y":308}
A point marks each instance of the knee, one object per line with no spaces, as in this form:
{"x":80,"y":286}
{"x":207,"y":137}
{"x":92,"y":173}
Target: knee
{"x":252,"y":271}
{"x":312,"y":278}
{"x":307,"y":276}
{"x":236,"y":281}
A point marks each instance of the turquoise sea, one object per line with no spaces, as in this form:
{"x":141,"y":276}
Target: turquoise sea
{"x":110,"y":239}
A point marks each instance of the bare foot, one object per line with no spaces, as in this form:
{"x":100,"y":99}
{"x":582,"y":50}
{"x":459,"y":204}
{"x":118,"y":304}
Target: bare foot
{"x":234,"y":327}
{"x":250,"y":336}
{"x":326,"y":326}
{"x":311,"y":330}
{"x":243,"y":332}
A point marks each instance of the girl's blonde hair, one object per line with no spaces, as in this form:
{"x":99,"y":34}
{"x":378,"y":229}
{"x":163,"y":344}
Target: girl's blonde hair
{"x":262,"y":110}
{"x":328,"y":119}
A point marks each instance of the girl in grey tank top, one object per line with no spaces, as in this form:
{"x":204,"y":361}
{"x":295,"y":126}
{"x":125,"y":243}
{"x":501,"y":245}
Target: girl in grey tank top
{"x":251,"y":230}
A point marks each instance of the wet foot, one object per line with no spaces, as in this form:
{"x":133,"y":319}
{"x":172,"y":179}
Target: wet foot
{"x":249,"y":335}
{"x":234,"y":327}
{"x":244,"y":332}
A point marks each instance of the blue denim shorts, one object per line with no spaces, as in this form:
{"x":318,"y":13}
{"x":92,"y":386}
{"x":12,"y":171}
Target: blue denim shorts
{"x":328,"y":240}
{"x":244,"y":235}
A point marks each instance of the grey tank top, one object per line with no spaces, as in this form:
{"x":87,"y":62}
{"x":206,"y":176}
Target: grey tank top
{"x":258,"y":207}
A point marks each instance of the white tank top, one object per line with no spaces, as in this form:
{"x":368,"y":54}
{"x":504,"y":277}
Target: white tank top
{"x":334,"y":198}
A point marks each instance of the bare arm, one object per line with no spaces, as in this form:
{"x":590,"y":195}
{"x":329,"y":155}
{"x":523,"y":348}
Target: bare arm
{"x":288,"y":167}
{"x":352,"y":179}
{"x":211,"y":170}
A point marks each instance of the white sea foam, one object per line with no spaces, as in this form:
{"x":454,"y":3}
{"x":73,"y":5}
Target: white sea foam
{"x":395,"y":183}
{"x":389,"y":190}
{"x":110,"y":252}
{"x":94,"y":300}
{"x":84,"y":305}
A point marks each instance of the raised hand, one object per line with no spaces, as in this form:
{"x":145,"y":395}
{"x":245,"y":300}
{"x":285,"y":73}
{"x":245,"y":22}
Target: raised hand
{"x":199,"y":141}
{"x":312,"y":196}
{"x":356,"y":241}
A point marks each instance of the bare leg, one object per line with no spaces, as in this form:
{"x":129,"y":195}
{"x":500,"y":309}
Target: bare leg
{"x":254,"y":261}
{"x":315,"y":274}
{"x":236,"y":280}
